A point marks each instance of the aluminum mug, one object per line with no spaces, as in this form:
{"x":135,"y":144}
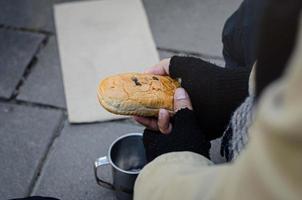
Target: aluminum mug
{"x":126,"y":156}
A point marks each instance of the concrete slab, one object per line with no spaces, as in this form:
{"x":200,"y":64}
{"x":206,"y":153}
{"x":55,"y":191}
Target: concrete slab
{"x":16,"y":51}
{"x":168,"y":54}
{"x":25,"y":134}
{"x":68,"y":172}
{"x":44,"y":84}
{"x":31,"y":14}
{"x":191,"y":25}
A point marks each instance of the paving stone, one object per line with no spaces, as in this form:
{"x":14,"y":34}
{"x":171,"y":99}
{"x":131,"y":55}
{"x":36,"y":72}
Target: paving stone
{"x":25,"y":133}
{"x":167,"y":54}
{"x":44,"y":84}
{"x":32,"y":14}
{"x":191,"y":25}
{"x":16,"y":51}
{"x":68,"y":172}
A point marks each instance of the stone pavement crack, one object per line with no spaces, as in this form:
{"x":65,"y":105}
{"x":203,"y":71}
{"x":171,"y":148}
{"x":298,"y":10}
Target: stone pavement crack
{"x":24,"y":77}
{"x":39,"y":169}
{"x":31,"y":104}
{"x":31,"y":30}
{"x":197,"y":54}
{"x":29,"y":68}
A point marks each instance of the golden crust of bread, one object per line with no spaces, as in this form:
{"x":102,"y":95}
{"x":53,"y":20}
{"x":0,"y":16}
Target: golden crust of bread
{"x":137,"y":94}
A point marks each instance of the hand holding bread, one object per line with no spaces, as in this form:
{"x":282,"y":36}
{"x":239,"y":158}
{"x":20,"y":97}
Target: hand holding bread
{"x":167,"y":98}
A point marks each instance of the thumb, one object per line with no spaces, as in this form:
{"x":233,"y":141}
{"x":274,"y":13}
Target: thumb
{"x":181,"y":100}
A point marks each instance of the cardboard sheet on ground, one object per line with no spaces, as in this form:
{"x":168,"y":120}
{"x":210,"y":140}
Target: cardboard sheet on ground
{"x":97,"y":39}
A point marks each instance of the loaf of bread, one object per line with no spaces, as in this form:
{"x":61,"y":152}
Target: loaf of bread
{"x":137,"y":94}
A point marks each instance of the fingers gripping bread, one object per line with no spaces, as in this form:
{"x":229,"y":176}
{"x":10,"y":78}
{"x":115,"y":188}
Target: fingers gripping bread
{"x":137,"y":94}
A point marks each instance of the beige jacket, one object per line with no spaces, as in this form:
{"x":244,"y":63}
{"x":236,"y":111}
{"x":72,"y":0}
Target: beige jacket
{"x":269,"y":168}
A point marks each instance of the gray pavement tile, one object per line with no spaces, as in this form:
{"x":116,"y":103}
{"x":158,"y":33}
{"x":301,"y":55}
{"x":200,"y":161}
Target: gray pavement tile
{"x":16,"y":51}
{"x":165,"y":54}
{"x":25,"y":133}
{"x":168,"y":54}
{"x":44,"y":84}
{"x":32,"y":14}
{"x":68,"y":172}
{"x":218,"y":62}
{"x":191,"y":25}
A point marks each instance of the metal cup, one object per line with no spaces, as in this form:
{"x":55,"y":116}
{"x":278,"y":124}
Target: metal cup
{"x":126,"y":155}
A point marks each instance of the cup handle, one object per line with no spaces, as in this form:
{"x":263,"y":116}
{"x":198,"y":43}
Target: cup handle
{"x":99,"y":163}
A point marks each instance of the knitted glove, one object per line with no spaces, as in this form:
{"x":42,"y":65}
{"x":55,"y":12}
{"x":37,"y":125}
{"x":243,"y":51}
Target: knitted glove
{"x":185,"y":136}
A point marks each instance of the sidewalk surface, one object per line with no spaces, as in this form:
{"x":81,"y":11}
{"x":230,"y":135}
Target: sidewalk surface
{"x":40,"y":152}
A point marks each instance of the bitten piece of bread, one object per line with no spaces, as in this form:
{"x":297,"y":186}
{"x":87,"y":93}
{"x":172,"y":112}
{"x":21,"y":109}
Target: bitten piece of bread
{"x":137,"y":94}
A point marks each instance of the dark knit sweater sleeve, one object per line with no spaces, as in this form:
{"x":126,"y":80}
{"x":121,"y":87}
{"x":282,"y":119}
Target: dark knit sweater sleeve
{"x":215,"y":92}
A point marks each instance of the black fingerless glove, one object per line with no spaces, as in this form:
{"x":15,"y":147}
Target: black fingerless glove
{"x":186,"y":135}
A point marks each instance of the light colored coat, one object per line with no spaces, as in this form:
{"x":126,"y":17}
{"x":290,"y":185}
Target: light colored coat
{"x":269,"y":168}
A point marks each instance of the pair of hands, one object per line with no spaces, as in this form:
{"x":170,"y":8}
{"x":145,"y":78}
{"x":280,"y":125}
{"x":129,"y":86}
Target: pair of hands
{"x":181,"y":100}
